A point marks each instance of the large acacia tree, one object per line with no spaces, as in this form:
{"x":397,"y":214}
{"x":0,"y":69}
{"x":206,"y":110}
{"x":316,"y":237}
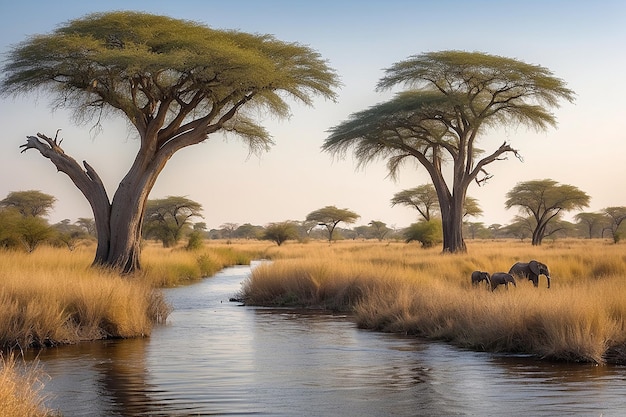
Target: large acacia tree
{"x":176,"y":82}
{"x":453,"y":98}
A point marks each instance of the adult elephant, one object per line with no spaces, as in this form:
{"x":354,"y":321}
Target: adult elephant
{"x":531,"y":270}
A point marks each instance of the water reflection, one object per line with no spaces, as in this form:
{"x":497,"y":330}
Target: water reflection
{"x":217,"y":358}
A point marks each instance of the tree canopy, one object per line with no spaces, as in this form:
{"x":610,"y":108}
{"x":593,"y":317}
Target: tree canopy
{"x":31,"y":203}
{"x":177,"y":82}
{"x":167,"y":218}
{"x":452,"y":98}
{"x":545,"y":201}
{"x":330,"y":217}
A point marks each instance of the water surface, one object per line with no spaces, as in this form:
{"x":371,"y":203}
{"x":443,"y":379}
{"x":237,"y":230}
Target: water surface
{"x":215,"y":357}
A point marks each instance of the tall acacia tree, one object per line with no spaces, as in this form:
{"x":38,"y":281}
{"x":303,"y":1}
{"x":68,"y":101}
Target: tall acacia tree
{"x":177,"y":82}
{"x":453,"y":98}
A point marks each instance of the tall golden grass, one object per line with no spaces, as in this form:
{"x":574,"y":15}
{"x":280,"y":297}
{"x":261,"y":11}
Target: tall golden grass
{"x":20,"y":389}
{"x":397,"y":287}
{"x":53,"y":296}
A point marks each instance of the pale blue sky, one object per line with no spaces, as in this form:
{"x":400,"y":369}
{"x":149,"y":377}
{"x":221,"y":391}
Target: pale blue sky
{"x":581,"y":42}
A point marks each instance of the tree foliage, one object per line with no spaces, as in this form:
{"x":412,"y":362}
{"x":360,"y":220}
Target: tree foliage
{"x":177,"y":82}
{"x":330,"y":217}
{"x":422,"y":198}
{"x":167,"y":218}
{"x":31,"y":203}
{"x":616,"y":216}
{"x":544,"y":201}
{"x":453,"y":97}
{"x":591,"y":223}
{"x":428,"y":233}
{"x":280,"y":232}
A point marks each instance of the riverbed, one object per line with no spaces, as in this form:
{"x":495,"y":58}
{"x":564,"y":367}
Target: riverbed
{"x":218,"y":358}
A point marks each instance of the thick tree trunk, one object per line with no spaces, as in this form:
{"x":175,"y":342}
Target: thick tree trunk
{"x":119,"y":223}
{"x":452,"y":224}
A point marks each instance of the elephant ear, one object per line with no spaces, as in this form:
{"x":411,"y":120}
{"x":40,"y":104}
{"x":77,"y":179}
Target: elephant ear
{"x":534,"y":267}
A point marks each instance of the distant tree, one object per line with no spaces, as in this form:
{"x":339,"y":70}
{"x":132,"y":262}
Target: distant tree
{"x":88,"y":224}
{"x":248,"y":231}
{"x":591,"y":223}
{"x":280,"y":232}
{"x":330,"y":217}
{"x":29,"y":203}
{"x":495,"y":229}
{"x":545,"y":201}
{"x":521,"y":228}
{"x":453,"y":98}
{"x":616,"y":216}
{"x":422,"y":198}
{"x":167,"y":218}
{"x":477,"y":230}
{"x":428,"y":233}
{"x":228,"y":229}
{"x":68,"y":234}
{"x":176,"y":82}
{"x":380,"y":229}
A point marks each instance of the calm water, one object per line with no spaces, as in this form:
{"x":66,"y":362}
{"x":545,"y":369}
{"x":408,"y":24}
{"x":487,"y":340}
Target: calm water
{"x":217,"y":358}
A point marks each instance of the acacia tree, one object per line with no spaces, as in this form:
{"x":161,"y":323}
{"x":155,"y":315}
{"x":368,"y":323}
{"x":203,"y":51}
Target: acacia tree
{"x":32,"y":203}
{"x":423,"y":198}
{"x":280,"y":232}
{"x":454,"y":97}
{"x":590,"y":223}
{"x":176,"y":82}
{"x":544,"y":201}
{"x":166,"y":218}
{"x":616,"y":216}
{"x":330,"y":217}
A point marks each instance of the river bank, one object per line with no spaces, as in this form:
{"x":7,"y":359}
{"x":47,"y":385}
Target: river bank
{"x":400,"y":288}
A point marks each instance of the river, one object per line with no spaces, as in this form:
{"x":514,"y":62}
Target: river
{"x":215,"y":357}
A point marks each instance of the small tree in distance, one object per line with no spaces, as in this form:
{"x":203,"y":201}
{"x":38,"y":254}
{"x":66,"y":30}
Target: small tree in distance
{"x":545,"y":201}
{"x":616,"y":216}
{"x":330,"y":217}
{"x":280,"y":232}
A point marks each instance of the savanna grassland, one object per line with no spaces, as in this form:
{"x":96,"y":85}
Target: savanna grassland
{"x":398,"y":287}
{"x":52,"y":296}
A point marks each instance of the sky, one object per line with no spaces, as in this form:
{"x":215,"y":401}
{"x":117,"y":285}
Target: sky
{"x":581,"y":42}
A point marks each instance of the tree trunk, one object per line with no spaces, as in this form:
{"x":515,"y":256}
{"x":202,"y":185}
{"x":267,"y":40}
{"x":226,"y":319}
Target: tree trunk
{"x":452,"y":224}
{"x":118,"y":223}
{"x":451,"y":206}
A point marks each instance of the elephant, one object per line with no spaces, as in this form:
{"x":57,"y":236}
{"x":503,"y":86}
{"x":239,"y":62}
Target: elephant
{"x":531,"y":270}
{"x":502,"y":278}
{"x":480,"y":276}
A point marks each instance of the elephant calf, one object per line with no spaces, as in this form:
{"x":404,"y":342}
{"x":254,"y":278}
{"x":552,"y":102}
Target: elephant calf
{"x":480,"y":276}
{"x":502,"y":278}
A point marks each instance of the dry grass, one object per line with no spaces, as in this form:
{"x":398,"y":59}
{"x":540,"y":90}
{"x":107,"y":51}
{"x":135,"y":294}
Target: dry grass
{"x":53,"y":296}
{"x":402,"y":288}
{"x":20,"y":389}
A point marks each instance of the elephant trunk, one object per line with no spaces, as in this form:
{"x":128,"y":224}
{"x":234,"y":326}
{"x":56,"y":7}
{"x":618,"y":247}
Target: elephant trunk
{"x":548,"y":278}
